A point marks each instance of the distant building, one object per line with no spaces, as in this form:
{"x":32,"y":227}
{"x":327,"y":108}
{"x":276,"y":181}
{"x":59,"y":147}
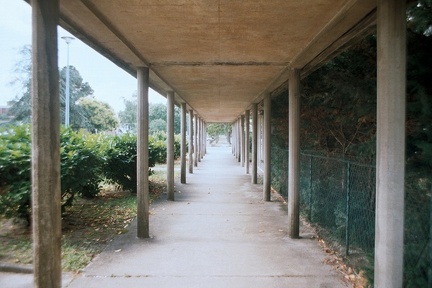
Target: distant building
{"x":4,"y":110}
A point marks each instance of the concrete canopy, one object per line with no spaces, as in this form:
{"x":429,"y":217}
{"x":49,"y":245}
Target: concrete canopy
{"x":219,"y":56}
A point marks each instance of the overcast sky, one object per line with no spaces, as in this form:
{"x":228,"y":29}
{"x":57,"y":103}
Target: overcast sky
{"x":110,"y":83}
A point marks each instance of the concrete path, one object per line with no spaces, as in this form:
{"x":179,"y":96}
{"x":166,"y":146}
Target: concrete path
{"x":218,"y":233}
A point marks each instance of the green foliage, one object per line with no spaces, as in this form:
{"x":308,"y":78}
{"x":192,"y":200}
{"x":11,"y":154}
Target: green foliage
{"x":216,"y":129}
{"x":420,"y":17}
{"x":82,"y":158}
{"x":157,"y":117}
{"x":100,"y":116}
{"x":157,"y":125}
{"x":157,"y":143}
{"x":121,"y":161}
{"x":15,"y":155}
{"x":21,"y":105}
{"x":128,"y":116}
{"x":86,"y":160}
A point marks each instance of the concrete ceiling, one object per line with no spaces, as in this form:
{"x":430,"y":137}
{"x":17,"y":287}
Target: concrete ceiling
{"x":219,"y":56}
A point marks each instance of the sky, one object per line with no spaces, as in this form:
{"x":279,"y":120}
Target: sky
{"x":110,"y":83}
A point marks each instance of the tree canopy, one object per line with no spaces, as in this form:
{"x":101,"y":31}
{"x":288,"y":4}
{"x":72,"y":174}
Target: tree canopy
{"x":91,"y":115}
{"x":100,"y":116}
{"x":157,"y":116}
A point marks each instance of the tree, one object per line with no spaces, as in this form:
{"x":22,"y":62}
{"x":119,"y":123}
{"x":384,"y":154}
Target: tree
{"x":78,"y":90}
{"x":157,"y":116}
{"x":216,"y":129}
{"x":128,"y":116}
{"x":157,"y":125}
{"x":21,"y":105}
{"x":100,"y":116}
{"x":159,"y":111}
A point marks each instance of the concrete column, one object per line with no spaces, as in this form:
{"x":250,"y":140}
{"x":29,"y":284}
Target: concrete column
{"x":196,"y":142}
{"x":183,"y":144}
{"x":239,"y":145}
{"x":267,"y":148}
{"x":142,"y":154}
{"x":205,"y":138}
{"x":191,"y":144}
{"x":254,"y":143}
{"x":170,"y":145}
{"x":232,"y":142}
{"x":242,"y":140}
{"x":294,"y":154}
{"x":234,"y":137}
{"x":202,"y":138}
{"x":199,"y":139}
{"x":247,"y":142}
{"x":45,"y":145}
{"x":390,"y":170}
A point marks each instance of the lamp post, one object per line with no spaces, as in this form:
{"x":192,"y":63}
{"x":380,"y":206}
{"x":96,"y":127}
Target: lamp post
{"x":67,"y":39}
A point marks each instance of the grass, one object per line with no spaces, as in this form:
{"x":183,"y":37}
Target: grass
{"x":87,"y":227}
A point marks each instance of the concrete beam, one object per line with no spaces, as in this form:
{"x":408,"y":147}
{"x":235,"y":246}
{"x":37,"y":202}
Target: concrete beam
{"x":191,"y":139}
{"x":183,"y":144}
{"x":247,"y":140}
{"x":267,"y":148}
{"x":254,"y":143}
{"x":294,"y":155}
{"x":46,"y":145}
{"x":170,"y":145}
{"x":390,"y":171}
{"x":142,"y":154}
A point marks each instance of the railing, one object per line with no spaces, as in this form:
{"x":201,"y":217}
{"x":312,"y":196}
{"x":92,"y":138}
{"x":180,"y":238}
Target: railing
{"x":337,"y":196}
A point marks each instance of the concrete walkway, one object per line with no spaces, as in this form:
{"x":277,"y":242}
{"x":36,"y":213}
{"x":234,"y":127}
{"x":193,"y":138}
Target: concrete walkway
{"x":218,"y":233}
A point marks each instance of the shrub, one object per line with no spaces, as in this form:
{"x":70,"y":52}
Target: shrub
{"x":15,"y":185}
{"x":82,"y":159}
{"x":121,"y":161}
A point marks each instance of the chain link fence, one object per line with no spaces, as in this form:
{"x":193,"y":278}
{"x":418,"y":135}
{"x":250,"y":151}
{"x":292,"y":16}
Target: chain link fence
{"x":337,"y":196}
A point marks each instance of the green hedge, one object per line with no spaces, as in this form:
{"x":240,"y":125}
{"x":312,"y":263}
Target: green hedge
{"x":86,"y":161}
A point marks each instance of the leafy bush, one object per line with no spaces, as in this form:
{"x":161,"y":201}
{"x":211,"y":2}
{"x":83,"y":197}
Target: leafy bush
{"x":15,"y":185}
{"x":86,"y":161}
{"x":121,"y":161}
{"x":157,"y":143}
{"x":82,"y":159}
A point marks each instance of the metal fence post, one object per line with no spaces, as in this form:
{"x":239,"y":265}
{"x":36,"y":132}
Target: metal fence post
{"x":347,"y":188}
{"x":310,"y":188}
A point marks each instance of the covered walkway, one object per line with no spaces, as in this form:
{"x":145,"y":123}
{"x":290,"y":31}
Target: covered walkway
{"x":218,"y":233}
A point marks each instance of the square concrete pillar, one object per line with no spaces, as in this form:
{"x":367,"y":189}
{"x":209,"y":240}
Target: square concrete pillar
{"x":247,"y":141}
{"x":390,"y":170}
{"x":170,"y":145}
{"x":45,"y":172}
{"x":294,"y":155}
{"x":142,"y":153}
{"x":254,"y":143}
{"x":267,"y":148}
{"x":183,"y":144}
{"x":191,"y":140}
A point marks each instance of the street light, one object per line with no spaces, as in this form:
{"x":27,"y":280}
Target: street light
{"x":67,"y":39}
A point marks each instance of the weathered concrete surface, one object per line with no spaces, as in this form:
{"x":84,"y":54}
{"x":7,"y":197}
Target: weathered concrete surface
{"x":25,"y":280}
{"x":218,"y":233}
{"x":218,"y":56}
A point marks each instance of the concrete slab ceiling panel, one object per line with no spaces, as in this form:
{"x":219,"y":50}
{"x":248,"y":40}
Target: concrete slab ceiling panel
{"x":215,"y":54}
